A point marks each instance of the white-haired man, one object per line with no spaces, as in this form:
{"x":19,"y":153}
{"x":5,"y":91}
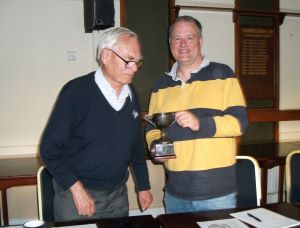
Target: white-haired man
{"x":94,"y":134}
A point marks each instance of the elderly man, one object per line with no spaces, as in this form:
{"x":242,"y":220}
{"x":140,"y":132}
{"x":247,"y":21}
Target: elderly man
{"x":94,"y":134}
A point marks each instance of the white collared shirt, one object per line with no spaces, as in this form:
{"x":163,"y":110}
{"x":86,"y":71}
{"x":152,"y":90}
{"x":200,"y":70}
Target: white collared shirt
{"x":109,"y":93}
{"x":173,"y":73}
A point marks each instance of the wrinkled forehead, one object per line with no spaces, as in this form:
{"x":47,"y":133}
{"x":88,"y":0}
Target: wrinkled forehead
{"x":129,"y":46}
{"x":127,"y":39}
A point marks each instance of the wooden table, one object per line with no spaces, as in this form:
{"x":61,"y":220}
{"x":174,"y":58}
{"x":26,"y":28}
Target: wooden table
{"x":188,"y":220}
{"x":16,"y":172}
{"x":268,"y":156}
{"x":143,"y":221}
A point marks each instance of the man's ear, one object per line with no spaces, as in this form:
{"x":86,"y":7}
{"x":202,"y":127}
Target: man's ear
{"x":104,"y":56}
{"x":201,"y":41}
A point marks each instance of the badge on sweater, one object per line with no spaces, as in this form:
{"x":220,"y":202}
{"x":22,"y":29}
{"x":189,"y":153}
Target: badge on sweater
{"x":135,"y":114}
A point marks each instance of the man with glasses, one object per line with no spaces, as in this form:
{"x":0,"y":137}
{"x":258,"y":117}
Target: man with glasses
{"x":210,"y":112}
{"x":94,"y":135}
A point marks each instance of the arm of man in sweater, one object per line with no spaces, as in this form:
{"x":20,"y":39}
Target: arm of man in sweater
{"x":82,"y":199}
{"x":52,"y":153}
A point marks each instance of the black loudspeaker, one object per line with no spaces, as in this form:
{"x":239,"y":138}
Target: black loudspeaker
{"x":98,"y":14}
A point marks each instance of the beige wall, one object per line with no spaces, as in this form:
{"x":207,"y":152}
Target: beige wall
{"x":36,"y":36}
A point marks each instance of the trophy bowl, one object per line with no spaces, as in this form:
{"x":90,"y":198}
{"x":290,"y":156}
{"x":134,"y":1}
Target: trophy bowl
{"x":164,"y":147}
{"x":162,"y":120}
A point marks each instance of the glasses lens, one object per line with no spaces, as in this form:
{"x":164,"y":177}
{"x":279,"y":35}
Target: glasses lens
{"x":138,"y":64}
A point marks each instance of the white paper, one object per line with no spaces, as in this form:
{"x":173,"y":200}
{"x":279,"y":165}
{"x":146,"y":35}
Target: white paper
{"x":93,"y":225}
{"x":17,"y":226}
{"x":269,"y":219}
{"x":228,"y":223}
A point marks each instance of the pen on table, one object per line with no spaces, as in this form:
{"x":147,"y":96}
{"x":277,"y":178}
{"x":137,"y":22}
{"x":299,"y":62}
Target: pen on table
{"x":252,"y":216}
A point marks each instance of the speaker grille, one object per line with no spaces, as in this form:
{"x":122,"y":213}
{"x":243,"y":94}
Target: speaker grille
{"x":98,"y":14}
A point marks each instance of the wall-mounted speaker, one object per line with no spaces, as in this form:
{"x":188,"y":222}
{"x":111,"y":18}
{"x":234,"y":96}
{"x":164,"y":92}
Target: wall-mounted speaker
{"x":98,"y":14}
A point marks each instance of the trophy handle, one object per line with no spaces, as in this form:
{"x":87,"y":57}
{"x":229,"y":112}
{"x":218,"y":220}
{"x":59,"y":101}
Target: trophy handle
{"x":173,"y":120}
{"x":148,"y":118}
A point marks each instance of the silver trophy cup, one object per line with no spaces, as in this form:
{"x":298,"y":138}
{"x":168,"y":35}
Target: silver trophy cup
{"x":164,"y":147}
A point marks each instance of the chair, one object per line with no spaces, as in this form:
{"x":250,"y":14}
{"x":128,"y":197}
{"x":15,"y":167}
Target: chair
{"x":292,"y":176}
{"x":45,"y":195}
{"x":248,"y":182}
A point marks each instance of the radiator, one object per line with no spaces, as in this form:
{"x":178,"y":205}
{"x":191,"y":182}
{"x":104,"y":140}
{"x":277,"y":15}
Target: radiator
{"x":272,"y":185}
{"x":273,"y":175}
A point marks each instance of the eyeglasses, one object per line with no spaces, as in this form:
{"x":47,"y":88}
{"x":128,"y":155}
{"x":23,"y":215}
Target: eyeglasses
{"x":129,"y":63}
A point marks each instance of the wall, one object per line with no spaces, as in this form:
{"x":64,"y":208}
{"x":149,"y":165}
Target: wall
{"x":290,"y":68}
{"x":37,"y":35}
{"x":35,"y":38}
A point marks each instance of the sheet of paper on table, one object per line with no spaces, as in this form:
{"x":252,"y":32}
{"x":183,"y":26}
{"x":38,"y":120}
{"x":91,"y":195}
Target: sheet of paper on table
{"x":17,"y":226}
{"x":268,"y":219}
{"x":93,"y":225}
{"x":233,"y":223}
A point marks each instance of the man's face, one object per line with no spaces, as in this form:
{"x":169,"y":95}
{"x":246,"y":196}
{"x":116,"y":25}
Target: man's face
{"x":186,"y":43}
{"x":116,"y":70}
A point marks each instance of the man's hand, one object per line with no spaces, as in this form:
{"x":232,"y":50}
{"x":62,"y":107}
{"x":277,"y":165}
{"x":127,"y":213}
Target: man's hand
{"x":82,"y":199}
{"x":187,"y":119}
{"x":145,"y":199}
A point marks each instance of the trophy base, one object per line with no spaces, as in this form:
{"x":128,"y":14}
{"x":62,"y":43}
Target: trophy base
{"x":164,"y":150}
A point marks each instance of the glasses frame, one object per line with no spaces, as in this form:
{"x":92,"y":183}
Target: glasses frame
{"x":137,"y":63}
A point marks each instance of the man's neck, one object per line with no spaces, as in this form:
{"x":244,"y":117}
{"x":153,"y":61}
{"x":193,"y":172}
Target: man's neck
{"x":184,"y":71}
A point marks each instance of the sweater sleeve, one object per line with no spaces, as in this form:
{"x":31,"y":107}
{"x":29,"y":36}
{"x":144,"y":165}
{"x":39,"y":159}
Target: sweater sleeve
{"x":56,"y":133}
{"x":138,"y":161}
{"x":152,"y":134}
{"x":232,"y":119}
{"x":229,"y":121}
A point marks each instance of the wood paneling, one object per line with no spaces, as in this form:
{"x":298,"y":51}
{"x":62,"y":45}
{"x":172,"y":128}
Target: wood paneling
{"x":270,"y":115}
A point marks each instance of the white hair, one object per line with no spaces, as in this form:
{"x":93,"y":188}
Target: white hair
{"x":109,"y":39}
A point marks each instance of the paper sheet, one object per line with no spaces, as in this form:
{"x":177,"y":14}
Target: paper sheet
{"x":17,"y":226}
{"x":223,"y":223}
{"x":269,"y":219}
{"x":93,"y":225}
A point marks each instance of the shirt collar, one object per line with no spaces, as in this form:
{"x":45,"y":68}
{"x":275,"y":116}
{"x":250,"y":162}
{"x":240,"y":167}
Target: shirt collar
{"x":104,"y":85}
{"x":173,"y":73}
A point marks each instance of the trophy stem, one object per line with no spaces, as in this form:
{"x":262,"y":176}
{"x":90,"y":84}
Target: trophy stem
{"x":163,"y":135}
{"x":164,"y":146}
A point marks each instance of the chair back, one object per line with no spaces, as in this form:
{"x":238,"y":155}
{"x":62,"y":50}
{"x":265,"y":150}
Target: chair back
{"x":45,"y":195}
{"x":292,"y":176}
{"x":248,"y":182}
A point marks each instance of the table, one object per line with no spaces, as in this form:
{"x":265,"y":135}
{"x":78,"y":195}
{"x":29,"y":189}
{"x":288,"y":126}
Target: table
{"x":188,"y":220}
{"x":268,"y":156}
{"x":16,"y":172}
{"x":143,"y":221}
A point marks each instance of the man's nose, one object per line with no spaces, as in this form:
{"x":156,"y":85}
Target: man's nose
{"x":183,"y":42}
{"x":134,"y":67}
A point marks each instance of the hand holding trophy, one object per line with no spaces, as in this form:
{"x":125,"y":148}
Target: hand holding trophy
{"x":164,"y":148}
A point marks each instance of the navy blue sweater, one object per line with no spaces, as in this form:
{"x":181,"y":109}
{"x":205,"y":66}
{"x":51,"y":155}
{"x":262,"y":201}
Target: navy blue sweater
{"x":87,"y":140}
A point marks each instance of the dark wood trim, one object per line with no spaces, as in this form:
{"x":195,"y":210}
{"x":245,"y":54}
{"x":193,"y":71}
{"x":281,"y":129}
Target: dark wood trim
{"x":173,"y":11}
{"x":173,"y":14}
{"x":122,"y":13}
{"x":271,"y":115}
{"x":206,"y":8}
{"x":227,"y":9}
{"x":277,"y":61}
